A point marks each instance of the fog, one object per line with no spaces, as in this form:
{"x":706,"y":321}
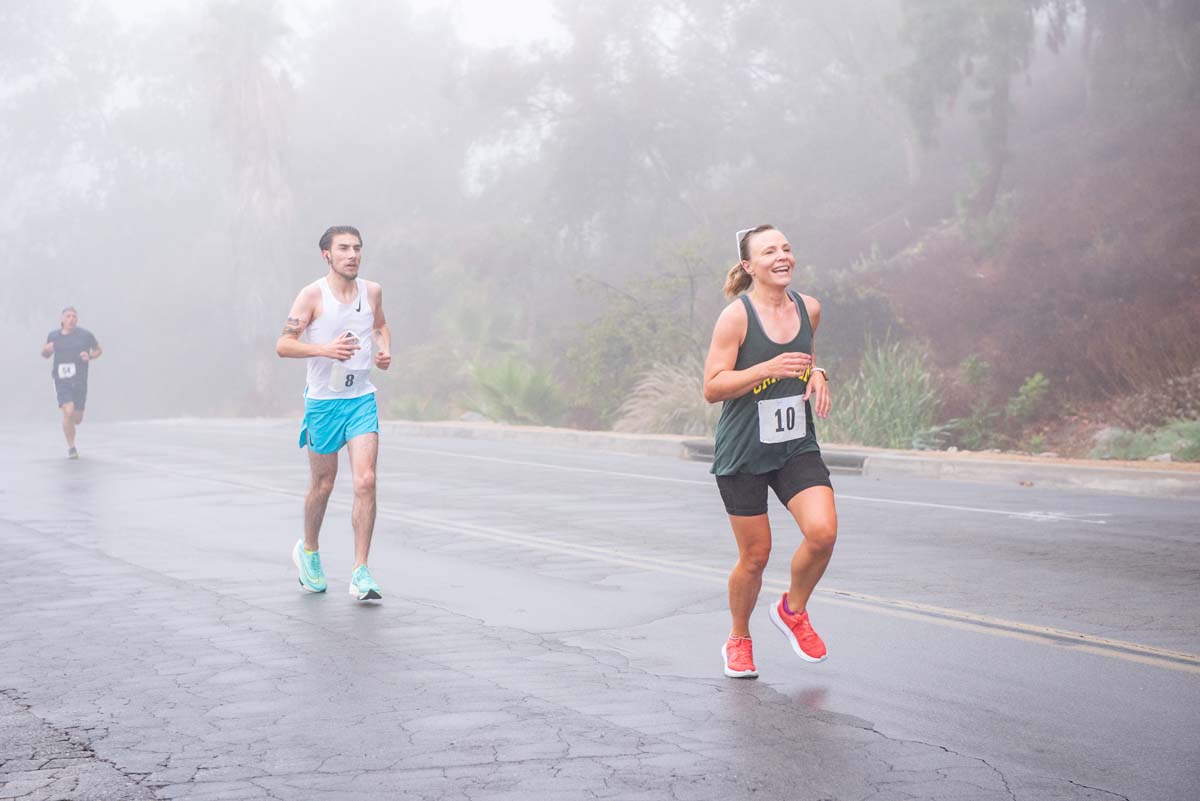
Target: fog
{"x":549,"y":196}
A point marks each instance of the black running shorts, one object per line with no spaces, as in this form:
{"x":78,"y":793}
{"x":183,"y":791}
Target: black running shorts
{"x":71,"y":391}
{"x":745,"y":494}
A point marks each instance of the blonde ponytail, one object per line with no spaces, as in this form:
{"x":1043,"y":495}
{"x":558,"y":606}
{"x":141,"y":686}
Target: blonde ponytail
{"x":737,"y":281}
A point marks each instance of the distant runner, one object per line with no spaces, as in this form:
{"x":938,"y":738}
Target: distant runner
{"x":760,"y":364}
{"x":73,"y":349}
{"x":334,"y":323}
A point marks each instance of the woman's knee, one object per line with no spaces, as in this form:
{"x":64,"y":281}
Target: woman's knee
{"x":754,"y":559}
{"x":821,"y":534}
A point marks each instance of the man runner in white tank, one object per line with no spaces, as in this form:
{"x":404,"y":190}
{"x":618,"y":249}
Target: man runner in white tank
{"x":334,"y":323}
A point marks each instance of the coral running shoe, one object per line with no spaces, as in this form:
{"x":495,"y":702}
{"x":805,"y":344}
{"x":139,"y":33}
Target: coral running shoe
{"x":799,"y":632}
{"x":738,"y":653}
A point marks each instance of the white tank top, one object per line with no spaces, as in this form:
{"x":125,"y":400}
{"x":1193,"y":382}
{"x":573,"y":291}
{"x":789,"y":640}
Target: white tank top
{"x":330,"y":378}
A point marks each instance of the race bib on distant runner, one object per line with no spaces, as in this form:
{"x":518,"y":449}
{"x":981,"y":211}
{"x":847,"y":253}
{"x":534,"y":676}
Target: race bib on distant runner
{"x":343,"y":380}
{"x":782,"y":419}
{"x":66,"y":370}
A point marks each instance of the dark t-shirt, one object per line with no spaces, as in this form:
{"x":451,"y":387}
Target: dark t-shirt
{"x":67,"y":347}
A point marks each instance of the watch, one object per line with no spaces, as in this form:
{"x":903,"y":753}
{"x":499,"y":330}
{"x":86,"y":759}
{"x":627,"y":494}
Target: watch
{"x":821,"y":370}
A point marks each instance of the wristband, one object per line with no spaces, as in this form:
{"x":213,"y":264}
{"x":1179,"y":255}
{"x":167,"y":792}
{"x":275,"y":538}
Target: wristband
{"x":821,"y":370}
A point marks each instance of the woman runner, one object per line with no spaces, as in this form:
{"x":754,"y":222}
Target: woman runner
{"x":760,"y":363}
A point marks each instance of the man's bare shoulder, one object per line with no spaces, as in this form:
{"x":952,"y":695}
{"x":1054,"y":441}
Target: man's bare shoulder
{"x":374,"y":290}
{"x":307,"y":304}
{"x":310,"y":295}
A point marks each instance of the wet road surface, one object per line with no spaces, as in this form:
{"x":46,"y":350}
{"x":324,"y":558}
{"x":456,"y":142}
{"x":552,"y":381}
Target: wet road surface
{"x":551,"y":628}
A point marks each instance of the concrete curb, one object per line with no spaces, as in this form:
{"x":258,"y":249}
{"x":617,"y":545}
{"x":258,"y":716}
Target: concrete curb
{"x":1123,"y":480}
{"x":1183,"y":483}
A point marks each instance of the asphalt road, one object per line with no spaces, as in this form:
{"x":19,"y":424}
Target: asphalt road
{"x":551,"y":628}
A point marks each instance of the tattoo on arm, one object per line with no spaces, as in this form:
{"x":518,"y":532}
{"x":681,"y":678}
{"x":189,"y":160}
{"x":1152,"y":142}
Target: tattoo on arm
{"x":293,"y":326}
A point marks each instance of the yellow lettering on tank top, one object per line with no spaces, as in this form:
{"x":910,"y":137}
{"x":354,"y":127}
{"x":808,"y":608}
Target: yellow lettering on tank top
{"x":770,"y":381}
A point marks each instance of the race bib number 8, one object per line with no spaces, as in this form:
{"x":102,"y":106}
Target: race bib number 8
{"x":66,"y":370}
{"x":782,"y":419}
{"x":343,"y":380}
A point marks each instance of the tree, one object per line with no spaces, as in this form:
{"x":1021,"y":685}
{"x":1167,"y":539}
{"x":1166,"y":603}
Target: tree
{"x":978,"y":43}
{"x":250,"y":97}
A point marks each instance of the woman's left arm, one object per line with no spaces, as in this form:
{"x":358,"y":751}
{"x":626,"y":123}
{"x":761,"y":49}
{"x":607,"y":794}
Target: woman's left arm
{"x":818,"y":385}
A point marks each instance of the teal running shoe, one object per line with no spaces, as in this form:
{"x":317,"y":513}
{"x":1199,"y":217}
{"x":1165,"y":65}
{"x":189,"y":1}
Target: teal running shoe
{"x":312,"y":577}
{"x":362,"y":586}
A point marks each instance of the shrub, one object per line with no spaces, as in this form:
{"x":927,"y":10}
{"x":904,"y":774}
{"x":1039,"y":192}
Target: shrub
{"x":513,"y":391}
{"x":423,"y":384}
{"x":860,"y":312}
{"x":977,"y":431}
{"x":647,"y":326}
{"x":1177,"y":399}
{"x":890,"y":404}
{"x":989,"y":421}
{"x":1180,"y":438}
{"x":1029,"y":400}
{"x":669,"y":399}
{"x":1036,"y":443}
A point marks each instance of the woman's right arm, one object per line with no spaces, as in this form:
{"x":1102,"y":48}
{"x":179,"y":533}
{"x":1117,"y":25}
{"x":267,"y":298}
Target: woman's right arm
{"x":721,"y":381}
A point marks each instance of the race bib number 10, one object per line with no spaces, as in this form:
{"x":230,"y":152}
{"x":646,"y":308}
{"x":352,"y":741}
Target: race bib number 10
{"x":782,"y":419}
{"x":66,"y":370}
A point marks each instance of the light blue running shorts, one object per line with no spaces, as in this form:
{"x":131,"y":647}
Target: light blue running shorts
{"x":329,"y":423}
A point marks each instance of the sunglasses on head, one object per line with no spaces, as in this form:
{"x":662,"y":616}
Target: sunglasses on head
{"x":741,"y":236}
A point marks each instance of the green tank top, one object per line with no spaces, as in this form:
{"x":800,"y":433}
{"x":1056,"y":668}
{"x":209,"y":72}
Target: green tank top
{"x":769,"y":411}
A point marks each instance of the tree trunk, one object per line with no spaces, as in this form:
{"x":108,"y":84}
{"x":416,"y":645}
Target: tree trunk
{"x":995,"y":142}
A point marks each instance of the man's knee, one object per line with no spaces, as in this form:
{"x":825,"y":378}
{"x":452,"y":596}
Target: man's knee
{"x":322,"y":485}
{"x":364,"y":482}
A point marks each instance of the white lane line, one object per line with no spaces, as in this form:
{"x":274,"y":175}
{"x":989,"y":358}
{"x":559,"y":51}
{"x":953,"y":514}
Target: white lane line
{"x":907,"y":609}
{"x":924,"y":613}
{"x":1040,"y":517}
{"x":560,"y":467}
{"x":1034,"y":516}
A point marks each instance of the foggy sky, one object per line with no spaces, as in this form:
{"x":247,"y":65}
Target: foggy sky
{"x":514,"y":168}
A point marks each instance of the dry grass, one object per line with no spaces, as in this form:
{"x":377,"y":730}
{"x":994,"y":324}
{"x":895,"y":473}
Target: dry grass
{"x":1140,"y":346}
{"x":669,"y":399}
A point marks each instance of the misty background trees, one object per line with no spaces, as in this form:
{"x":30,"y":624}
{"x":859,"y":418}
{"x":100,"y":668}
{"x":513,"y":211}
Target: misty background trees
{"x":995,"y":199}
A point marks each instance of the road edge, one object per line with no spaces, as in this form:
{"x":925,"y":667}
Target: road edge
{"x":869,"y":462}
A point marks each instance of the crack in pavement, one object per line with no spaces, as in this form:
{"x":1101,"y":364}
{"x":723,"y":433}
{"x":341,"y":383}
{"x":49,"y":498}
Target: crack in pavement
{"x":610,"y":716}
{"x":59,"y":764}
{"x":1099,"y":790}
